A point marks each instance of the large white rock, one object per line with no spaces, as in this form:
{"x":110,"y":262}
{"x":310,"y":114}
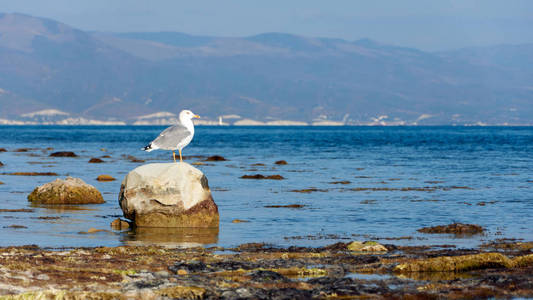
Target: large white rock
{"x":168,"y":195}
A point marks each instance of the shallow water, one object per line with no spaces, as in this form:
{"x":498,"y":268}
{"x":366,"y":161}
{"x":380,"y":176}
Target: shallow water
{"x":401,"y":179}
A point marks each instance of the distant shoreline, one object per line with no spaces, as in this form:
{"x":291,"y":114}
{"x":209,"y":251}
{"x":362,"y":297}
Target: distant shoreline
{"x":267,"y":125}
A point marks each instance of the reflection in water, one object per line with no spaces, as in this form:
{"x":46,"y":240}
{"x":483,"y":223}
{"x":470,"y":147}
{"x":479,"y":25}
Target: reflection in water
{"x":62,"y":208}
{"x":171,"y":237}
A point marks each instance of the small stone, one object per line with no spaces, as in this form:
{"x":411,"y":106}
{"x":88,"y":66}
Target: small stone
{"x":22,"y":150}
{"x":244,"y":293}
{"x":1,"y":164}
{"x":119,"y":224}
{"x":239,"y":221}
{"x":281,"y":162}
{"x":64,"y":154}
{"x":198,"y":163}
{"x":3,"y":150}
{"x":368,"y":246}
{"x":95,"y":160}
{"x":229,"y":294}
{"x":182,"y":272}
{"x":43,"y":277}
{"x":105,"y":177}
{"x":162,"y":274}
{"x":216,"y":158}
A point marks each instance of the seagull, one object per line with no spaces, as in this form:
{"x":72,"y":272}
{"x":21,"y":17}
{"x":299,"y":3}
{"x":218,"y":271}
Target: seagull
{"x":175,"y":137}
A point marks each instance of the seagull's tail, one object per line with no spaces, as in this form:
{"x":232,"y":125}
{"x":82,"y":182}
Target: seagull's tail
{"x":149,"y":148}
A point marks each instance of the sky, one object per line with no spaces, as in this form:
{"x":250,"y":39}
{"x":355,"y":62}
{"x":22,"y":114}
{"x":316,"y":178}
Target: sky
{"x":425,"y":24}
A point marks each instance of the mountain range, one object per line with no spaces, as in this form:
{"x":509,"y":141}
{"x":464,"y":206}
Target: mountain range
{"x":47,"y":65}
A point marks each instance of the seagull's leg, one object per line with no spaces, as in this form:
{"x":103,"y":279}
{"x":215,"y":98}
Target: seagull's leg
{"x":181,"y":160}
{"x":174,"y":155}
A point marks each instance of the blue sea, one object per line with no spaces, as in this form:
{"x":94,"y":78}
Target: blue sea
{"x":394,"y":180}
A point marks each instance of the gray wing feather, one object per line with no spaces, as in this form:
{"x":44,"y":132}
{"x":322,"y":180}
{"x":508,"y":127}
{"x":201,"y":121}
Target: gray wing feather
{"x":170,"y":137}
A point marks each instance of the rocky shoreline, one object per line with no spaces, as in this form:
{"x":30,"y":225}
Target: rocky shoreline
{"x":501,"y":269}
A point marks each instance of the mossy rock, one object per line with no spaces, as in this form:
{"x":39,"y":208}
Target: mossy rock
{"x":461,"y":263}
{"x":368,"y":246}
{"x":68,"y":191}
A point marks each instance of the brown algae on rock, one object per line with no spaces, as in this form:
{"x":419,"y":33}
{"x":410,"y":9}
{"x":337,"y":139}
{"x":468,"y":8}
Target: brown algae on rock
{"x":31,"y":174}
{"x":258,"y":271}
{"x":455,"y":228}
{"x":260,"y":176}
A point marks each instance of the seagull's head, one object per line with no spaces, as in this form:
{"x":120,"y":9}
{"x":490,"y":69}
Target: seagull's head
{"x":188,"y":115}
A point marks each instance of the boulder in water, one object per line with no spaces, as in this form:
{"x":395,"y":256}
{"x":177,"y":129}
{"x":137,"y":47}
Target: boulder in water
{"x":68,"y":191}
{"x":168,"y":195}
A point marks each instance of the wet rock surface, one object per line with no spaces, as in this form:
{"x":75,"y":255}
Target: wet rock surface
{"x":68,"y":191}
{"x":168,"y":195}
{"x":259,"y":271}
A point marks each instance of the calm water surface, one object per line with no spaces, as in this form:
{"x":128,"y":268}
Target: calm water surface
{"x":400,"y":179}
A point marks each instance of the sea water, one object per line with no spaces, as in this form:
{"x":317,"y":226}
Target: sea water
{"x":379,"y":183}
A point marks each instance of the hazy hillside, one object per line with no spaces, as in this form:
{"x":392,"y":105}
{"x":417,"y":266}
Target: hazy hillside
{"x":48,"y":65}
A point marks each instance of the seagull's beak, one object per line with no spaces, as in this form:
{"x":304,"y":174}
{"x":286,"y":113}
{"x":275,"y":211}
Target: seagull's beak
{"x":196,"y":116}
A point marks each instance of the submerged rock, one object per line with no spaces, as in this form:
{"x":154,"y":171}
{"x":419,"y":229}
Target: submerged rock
{"x":168,"y":195}
{"x":68,"y":191}
{"x":3,"y":150}
{"x":216,"y":158}
{"x":95,"y":160}
{"x":455,"y":228}
{"x":260,"y":176}
{"x":64,"y":154}
{"x":1,"y":164}
{"x":31,"y":174}
{"x":280,"y":162}
{"x":119,"y":224}
{"x":105,"y":177}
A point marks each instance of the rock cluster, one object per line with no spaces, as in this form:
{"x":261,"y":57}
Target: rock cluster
{"x":68,"y":191}
{"x":168,"y":195}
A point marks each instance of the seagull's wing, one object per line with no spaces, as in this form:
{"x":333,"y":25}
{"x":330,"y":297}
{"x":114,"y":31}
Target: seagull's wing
{"x":171,"y":137}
